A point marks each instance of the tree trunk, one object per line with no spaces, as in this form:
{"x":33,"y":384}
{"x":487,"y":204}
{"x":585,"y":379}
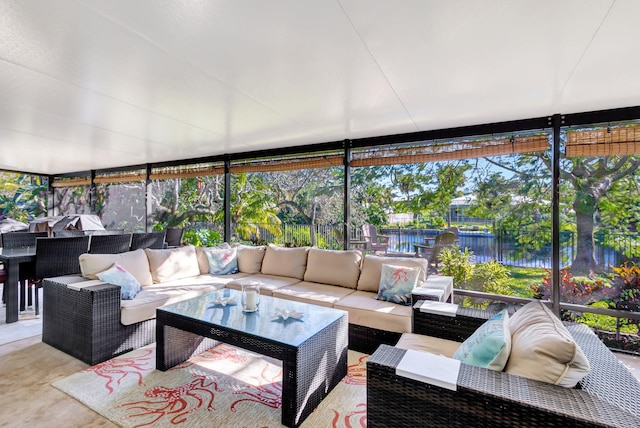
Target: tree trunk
{"x":312,"y":226}
{"x":584,"y":206}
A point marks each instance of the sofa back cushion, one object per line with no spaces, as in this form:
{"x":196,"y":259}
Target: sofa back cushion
{"x":372,"y":268}
{"x":333,"y":267}
{"x":134,"y":262}
{"x":543,"y":349}
{"x":201,"y":255}
{"x":173,"y":263}
{"x":281,"y":261}
{"x":250,"y":258}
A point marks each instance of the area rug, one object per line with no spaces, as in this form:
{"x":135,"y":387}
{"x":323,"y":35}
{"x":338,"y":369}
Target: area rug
{"x":28,"y":324}
{"x":222,"y":387}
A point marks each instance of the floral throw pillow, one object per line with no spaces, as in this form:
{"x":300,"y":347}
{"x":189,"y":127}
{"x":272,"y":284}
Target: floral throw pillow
{"x":396,"y":283}
{"x":489,"y":346}
{"x":117,"y":275}
{"x":222,"y":261}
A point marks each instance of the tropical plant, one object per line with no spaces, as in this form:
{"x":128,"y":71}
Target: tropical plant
{"x":456,"y":262}
{"x":490,"y":277}
{"x":582,"y":290}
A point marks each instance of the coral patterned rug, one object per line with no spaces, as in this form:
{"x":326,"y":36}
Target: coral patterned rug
{"x":223,"y":387}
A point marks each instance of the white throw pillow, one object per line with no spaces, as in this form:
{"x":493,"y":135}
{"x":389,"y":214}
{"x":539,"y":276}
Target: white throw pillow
{"x":397,"y":283}
{"x":372,"y":267}
{"x":203,"y":262}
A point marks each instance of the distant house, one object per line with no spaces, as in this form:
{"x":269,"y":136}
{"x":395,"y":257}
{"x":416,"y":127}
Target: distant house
{"x":400,"y":219}
{"x":458,"y":211}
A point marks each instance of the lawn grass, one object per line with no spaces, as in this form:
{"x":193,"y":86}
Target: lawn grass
{"x":522,"y":278}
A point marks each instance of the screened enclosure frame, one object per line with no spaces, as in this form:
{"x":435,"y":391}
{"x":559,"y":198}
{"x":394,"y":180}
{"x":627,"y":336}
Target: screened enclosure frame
{"x":401,"y":149}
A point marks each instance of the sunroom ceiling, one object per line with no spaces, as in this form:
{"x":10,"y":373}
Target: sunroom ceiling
{"x":95,"y":84}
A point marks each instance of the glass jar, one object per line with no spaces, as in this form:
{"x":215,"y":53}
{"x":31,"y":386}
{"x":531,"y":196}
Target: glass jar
{"x":250,"y":296}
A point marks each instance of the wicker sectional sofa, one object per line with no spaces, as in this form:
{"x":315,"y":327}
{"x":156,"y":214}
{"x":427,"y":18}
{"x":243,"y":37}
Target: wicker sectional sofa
{"x":88,"y":320}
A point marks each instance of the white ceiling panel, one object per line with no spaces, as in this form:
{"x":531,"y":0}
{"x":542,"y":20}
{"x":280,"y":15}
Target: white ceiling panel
{"x":97,"y":84}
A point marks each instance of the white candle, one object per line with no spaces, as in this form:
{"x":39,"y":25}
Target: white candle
{"x":250,"y":299}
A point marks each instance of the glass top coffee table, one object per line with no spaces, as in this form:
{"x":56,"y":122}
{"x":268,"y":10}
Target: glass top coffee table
{"x":313,"y":349}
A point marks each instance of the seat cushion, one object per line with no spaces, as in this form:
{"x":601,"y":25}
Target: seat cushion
{"x":268,"y":283}
{"x":333,"y":267}
{"x":134,"y":262}
{"x":250,"y":258}
{"x":314,"y":293}
{"x":365,"y":310}
{"x":372,"y":267}
{"x":173,"y":263}
{"x":143,"y":307}
{"x":434,"y":345}
{"x":543,"y":349}
{"x":281,"y":261}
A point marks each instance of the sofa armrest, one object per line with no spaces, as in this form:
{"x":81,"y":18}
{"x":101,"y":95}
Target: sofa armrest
{"x":486,"y":397}
{"x":457,"y":328}
{"x":74,"y":319}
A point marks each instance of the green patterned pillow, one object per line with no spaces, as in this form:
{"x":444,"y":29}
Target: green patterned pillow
{"x":489,"y":346}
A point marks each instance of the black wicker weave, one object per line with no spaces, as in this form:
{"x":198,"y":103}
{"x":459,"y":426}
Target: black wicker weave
{"x":310,"y":369}
{"x":174,"y":236}
{"x":86,"y":323}
{"x":27,"y":271}
{"x":55,"y":257}
{"x":21,"y":239}
{"x":153,"y":240}
{"x":608,"y":397}
{"x":366,"y":339}
{"x":110,"y":244}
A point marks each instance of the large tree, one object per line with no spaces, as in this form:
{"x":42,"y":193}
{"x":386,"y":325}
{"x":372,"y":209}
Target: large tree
{"x":589,"y":185}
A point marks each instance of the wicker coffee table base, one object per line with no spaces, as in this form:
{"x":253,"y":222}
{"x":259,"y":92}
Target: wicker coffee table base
{"x":309,"y":371}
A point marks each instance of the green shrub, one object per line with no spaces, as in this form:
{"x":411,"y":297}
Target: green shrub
{"x":490,"y":277}
{"x":457,"y":263}
{"x":201,"y":237}
{"x":604,"y":322}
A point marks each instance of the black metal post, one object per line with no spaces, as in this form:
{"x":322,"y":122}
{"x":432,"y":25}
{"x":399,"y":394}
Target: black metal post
{"x":346,"y":230}
{"x":556,"y":121}
{"x":147,"y":198}
{"x":227,"y":200}
{"x":92,"y":191}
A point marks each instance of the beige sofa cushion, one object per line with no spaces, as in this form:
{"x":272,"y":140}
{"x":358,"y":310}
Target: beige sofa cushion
{"x":365,"y":310}
{"x":134,"y":262}
{"x":434,"y":345}
{"x":250,"y":258}
{"x":372,"y":268}
{"x":282,"y":261}
{"x":314,"y":293}
{"x":543,"y":349}
{"x":203,"y":261}
{"x":333,"y":267}
{"x":268,"y":283}
{"x":173,"y":263}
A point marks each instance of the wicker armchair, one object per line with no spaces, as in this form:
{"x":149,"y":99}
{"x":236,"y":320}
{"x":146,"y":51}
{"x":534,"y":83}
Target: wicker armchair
{"x":609,"y":396}
{"x":153,"y":240}
{"x":109,"y":244}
